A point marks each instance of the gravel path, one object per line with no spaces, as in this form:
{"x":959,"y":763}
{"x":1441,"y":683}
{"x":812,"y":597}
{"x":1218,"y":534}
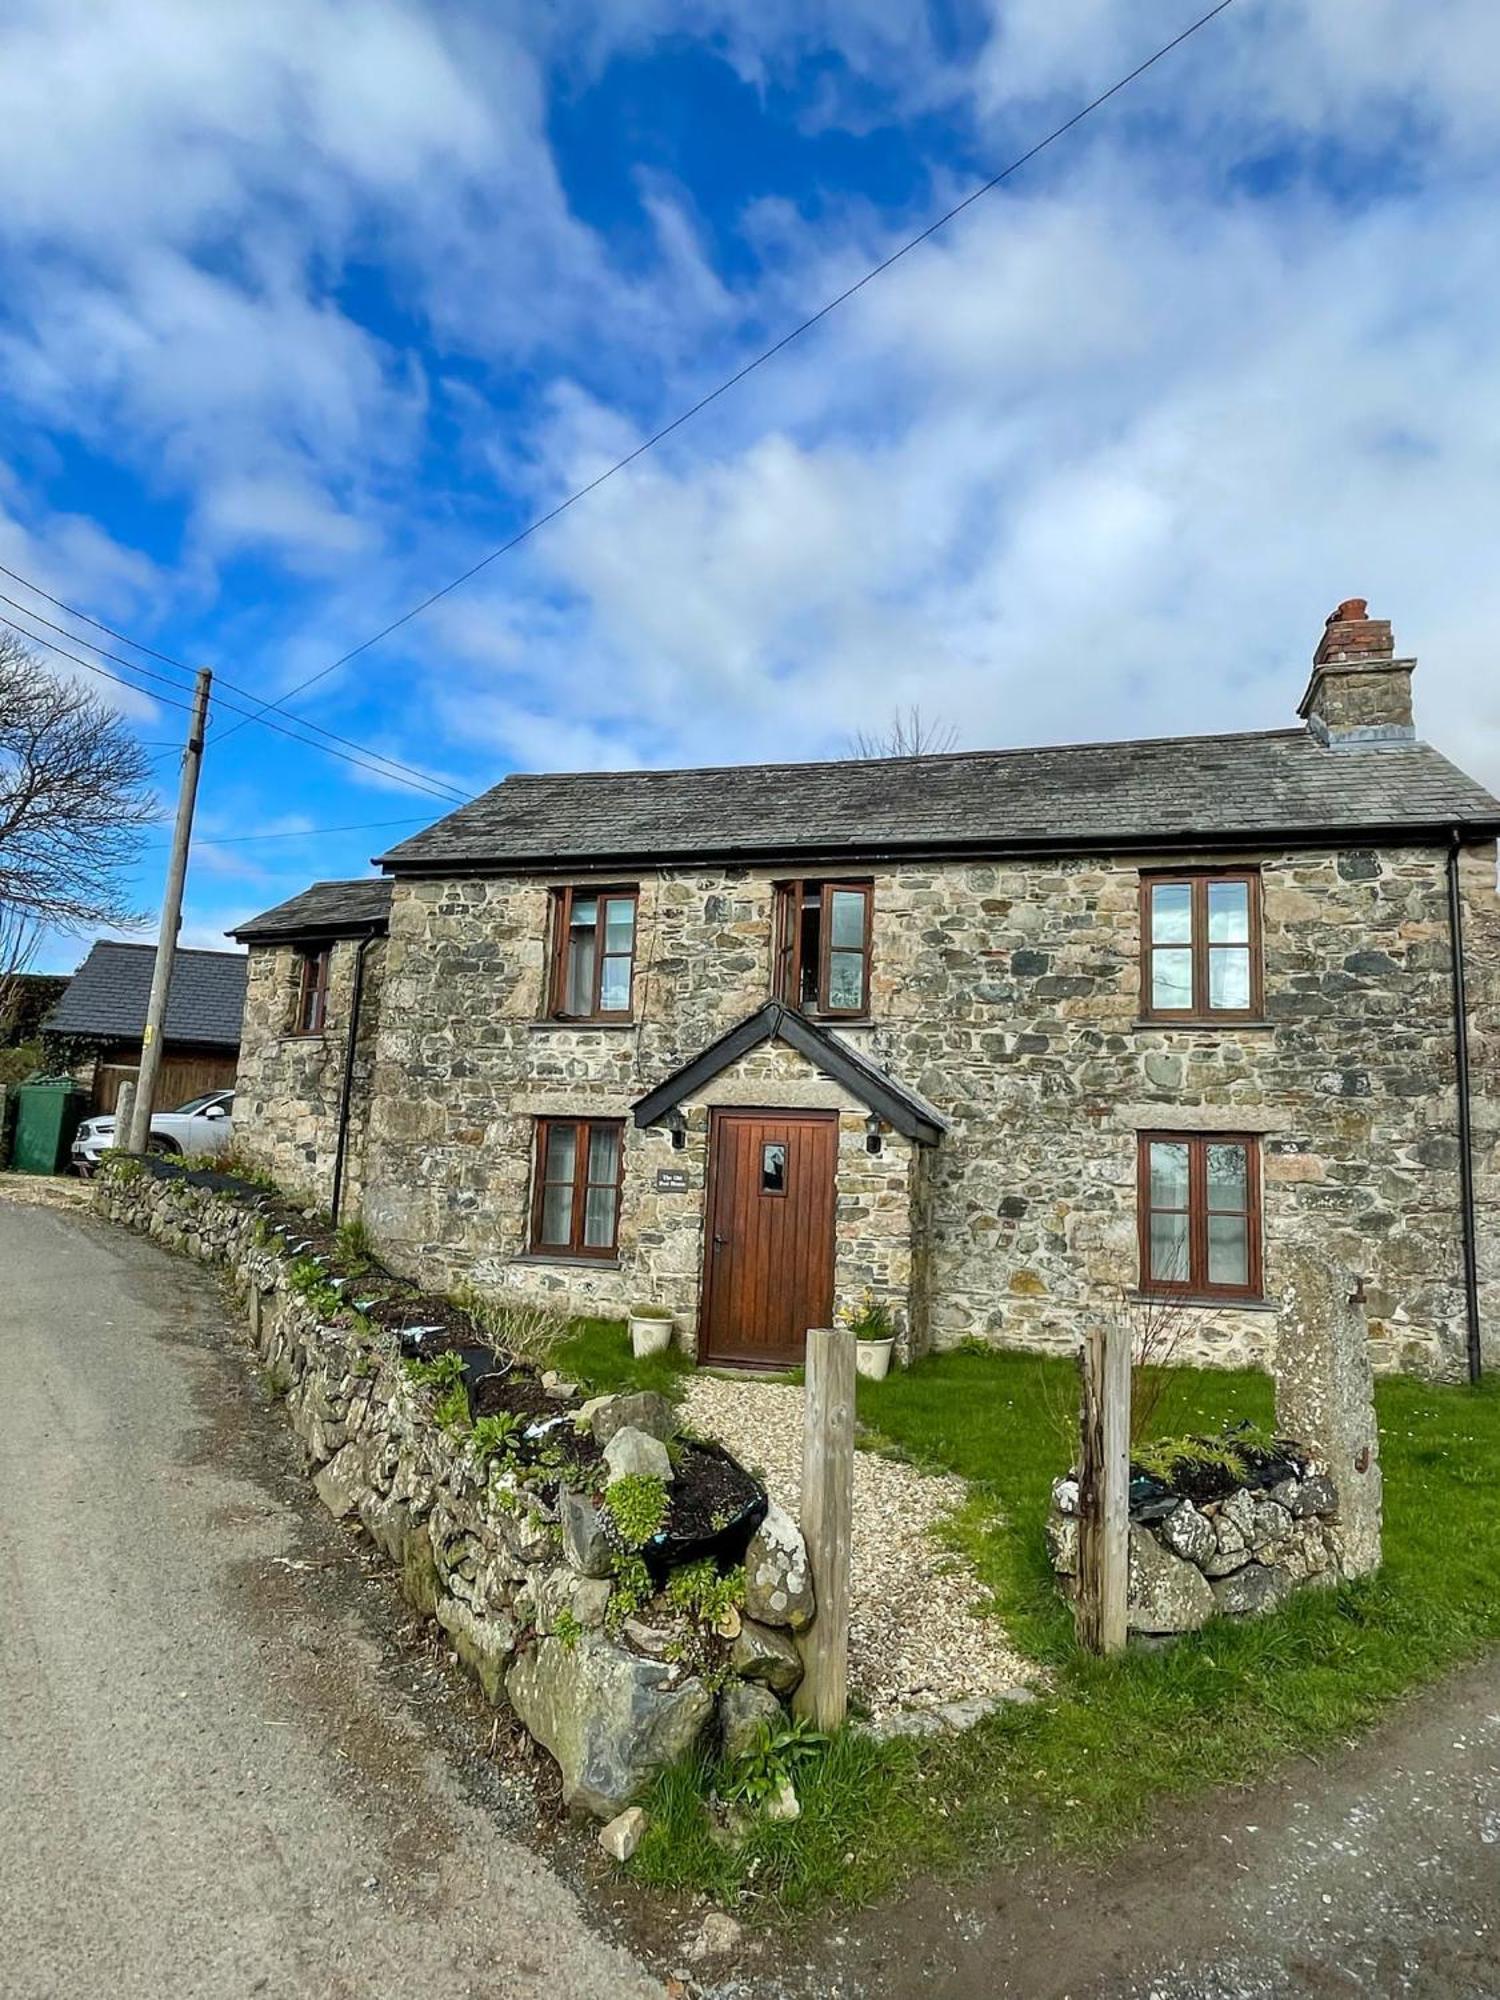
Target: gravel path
{"x":914,"y":1641}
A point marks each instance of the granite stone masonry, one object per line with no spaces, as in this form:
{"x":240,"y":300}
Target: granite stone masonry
{"x":513,"y":1587}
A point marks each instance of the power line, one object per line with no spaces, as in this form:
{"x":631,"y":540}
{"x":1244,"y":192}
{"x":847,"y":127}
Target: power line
{"x":167,"y":659}
{"x":449,"y":795}
{"x":758,"y":361}
{"x":134,"y":666}
{"x":302,"y":832}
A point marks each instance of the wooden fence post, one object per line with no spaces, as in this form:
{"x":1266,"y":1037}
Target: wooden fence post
{"x":828,"y":1522}
{"x":1104,"y":1490}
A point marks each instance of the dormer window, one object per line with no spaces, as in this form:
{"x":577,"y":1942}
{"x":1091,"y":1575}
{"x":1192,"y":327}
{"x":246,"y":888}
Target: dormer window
{"x":593,"y":953}
{"x":822,"y":962}
{"x":1200,"y":947}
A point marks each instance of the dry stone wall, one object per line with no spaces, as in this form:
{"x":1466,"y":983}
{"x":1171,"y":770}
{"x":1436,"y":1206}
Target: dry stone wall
{"x":1007,"y":993}
{"x":520,"y":1585}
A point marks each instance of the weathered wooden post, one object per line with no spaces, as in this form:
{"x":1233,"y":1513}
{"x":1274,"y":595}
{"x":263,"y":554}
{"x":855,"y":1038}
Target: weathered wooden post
{"x":828,"y":1522}
{"x":1104,"y":1490}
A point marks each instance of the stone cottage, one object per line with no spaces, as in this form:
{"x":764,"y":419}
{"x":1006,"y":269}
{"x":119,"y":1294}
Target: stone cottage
{"x":1004,"y":1037}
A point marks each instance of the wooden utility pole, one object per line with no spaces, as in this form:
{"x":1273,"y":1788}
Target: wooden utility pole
{"x":139,"y":1134}
{"x":1104,"y":1491}
{"x":828,"y":1522}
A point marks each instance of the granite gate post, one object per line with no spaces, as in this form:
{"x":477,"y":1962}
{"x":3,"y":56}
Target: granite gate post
{"x":1325,"y":1395}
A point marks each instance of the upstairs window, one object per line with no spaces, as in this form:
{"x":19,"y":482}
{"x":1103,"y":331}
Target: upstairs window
{"x":823,"y":947}
{"x":593,"y":954}
{"x":310,"y":1012}
{"x":576,"y":1194}
{"x":1199,"y":1213}
{"x":1200,"y":937}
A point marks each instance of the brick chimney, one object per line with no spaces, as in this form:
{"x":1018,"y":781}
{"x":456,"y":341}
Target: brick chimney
{"x":1359,"y":694}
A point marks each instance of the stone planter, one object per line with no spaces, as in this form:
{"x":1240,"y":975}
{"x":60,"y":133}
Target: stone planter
{"x":650,"y":1334}
{"x":873,"y":1357}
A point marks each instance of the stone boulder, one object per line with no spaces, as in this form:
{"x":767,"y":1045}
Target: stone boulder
{"x":583,"y":1537}
{"x":1189,"y":1534}
{"x":745,"y":1711}
{"x":1166,"y":1594}
{"x":761,"y":1653}
{"x":610,"y":1718}
{"x":631,"y":1451}
{"x":778,"y":1578}
{"x":486,"y":1645}
{"x":1257,"y":1587}
{"x":643,"y":1410}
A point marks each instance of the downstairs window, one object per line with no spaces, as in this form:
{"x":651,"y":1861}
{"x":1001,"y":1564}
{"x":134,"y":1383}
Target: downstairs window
{"x":575,"y":1209}
{"x":1199,"y":1214}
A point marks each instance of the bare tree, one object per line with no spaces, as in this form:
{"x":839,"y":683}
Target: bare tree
{"x":73,"y":801}
{"x":909,"y":734}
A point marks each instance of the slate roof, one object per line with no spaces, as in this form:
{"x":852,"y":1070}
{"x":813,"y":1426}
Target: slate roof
{"x":1072,"y":798}
{"x":825,"y":1050}
{"x":108,"y":993}
{"x":327,"y":909}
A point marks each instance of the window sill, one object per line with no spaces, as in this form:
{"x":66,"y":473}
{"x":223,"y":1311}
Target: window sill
{"x":567,"y":1257}
{"x":555,"y":1021}
{"x":1203,"y":1301}
{"x":304,"y":1035}
{"x":1198,"y":1022}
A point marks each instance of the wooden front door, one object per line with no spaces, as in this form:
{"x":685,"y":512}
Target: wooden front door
{"x":768,"y":1248}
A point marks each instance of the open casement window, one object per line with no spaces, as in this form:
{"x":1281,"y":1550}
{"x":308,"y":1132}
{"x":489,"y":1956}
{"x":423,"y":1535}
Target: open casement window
{"x":310,"y":1012}
{"x":1199,"y":1208}
{"x":1200,"y":937}
{"x":822,"y":963}
{"x":593,"y":953}
{"x":575,"y":1207}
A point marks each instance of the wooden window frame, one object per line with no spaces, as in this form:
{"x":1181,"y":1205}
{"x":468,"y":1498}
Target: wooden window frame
{"x":562,"y":923}
{"x":583,"y":1145}
{"x":310,"y":1003}
{"x":1197,"y":1284}
{"x":1196,"y":881}
{"x":786,"y":963}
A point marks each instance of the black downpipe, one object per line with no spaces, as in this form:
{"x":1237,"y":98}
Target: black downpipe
{"x":1465,"y":1123}
{"x":348,"y":1084}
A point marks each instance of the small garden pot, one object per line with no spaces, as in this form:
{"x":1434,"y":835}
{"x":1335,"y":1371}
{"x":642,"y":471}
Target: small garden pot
{"x":873,"y":1357}
{"x":650,"y":1333}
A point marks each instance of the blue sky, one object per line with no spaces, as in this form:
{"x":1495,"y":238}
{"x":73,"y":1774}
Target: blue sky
{"x":305,"y":305}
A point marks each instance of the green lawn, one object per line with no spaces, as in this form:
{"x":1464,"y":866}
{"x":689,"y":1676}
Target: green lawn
{"x":597,"y":1355}
{"x":1115,"y":1742}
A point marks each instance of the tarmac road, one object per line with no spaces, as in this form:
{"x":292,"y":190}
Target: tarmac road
{"x":213,"y":1779}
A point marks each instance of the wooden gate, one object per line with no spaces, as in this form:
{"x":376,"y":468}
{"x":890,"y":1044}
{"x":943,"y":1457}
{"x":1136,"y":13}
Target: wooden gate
{"x":769,"y":1235}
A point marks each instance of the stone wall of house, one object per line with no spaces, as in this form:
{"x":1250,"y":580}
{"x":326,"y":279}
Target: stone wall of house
{"x":1007,"y":993}
{"x":289,"y":1086}
{"x":521,"y":1583}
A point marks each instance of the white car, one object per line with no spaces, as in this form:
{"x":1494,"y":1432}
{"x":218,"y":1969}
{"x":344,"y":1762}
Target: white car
{"x":204,"y":1125}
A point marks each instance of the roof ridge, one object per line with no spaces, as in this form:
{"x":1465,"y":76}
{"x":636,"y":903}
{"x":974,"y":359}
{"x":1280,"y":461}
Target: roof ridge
{"x":182,"y":950}
{"x":855,"y":763}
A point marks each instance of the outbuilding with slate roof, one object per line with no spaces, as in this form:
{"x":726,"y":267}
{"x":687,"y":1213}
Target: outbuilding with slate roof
{"x":985,"y":1044}
{"x":97,"y":1024}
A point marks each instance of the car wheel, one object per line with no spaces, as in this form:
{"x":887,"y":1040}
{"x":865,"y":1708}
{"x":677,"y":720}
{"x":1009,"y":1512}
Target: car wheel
{"x":156,"y":1144}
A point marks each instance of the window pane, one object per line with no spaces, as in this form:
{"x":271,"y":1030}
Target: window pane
{"x":619,"y":923}
{"x":1169,"y":1174}
{"x":599,"y":1218}
{"x":1169,"y":1248}
{"x":846,"y":979}
{"x":1228,"y":1250}
{"x":1229,"y":976}
{"x":580,"y":994}
{"x":562,"y":1152}
{"x":1172,"y":978}
{"x":773,"y":1169}
{"x":1228,"y":1178}
{"x":557,"y":1212}
{"x":1228,"y":912}
{"x":604,"y":1154}
{"x":614,"y":987}
{"x":848,"y":919}
{"x":1171,"y":912}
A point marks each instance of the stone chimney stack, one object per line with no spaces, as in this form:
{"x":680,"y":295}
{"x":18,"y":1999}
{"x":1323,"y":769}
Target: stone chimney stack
{"x":1359,"y":694}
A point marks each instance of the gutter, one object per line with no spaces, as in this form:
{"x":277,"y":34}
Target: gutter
{"x":1467,"y":1223}
{"x":346,"y":1088}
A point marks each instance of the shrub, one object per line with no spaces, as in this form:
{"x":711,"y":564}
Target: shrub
{"x":637,"y":1504}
